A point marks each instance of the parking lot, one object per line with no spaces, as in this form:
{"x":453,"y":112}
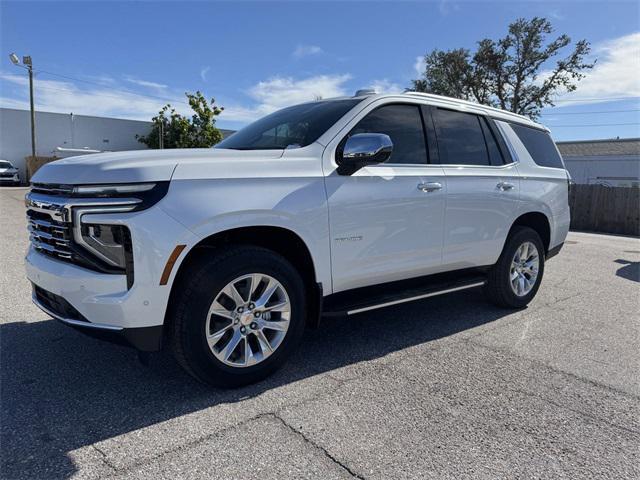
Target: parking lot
{"x":449,"y":387}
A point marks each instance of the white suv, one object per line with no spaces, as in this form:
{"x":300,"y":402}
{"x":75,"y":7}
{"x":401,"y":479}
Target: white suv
{"x":332,"y":207}
{"x":8,"y":173}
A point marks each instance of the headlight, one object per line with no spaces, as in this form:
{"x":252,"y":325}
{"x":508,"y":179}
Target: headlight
{"x":148,"y":193}
{"x":110,"y":243}
{"x":111,"y":190}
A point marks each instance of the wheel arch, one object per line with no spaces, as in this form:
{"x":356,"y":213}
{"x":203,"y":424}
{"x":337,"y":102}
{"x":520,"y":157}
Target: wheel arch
{"x":537,"y":221}
{"x":279,"y":239}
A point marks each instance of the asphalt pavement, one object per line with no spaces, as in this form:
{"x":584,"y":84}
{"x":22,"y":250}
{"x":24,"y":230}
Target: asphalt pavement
{"x":449,"y":387}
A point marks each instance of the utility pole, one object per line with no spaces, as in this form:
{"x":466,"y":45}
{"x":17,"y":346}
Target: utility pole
{"x":28,"y":64}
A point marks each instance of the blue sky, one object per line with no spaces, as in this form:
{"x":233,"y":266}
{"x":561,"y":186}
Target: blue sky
{"x":126,"y":59}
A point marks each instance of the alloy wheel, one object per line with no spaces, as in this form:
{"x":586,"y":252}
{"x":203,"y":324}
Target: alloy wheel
{"x":248,"y":320}
{"x":524,"y":269}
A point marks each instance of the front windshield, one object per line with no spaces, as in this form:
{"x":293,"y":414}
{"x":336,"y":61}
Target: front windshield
{"x":4,"y":164}
{"x":291,"y":127}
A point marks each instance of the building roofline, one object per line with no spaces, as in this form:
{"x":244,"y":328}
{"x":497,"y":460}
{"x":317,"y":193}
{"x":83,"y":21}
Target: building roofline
{"x":600,"y":140}
{"x":75,"y":114}
{"x":98,"y":117}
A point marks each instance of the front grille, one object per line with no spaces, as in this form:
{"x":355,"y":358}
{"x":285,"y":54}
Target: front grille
{"x":6,"y":175}
{"x":49,"y":236}
{"x":50,"y":226}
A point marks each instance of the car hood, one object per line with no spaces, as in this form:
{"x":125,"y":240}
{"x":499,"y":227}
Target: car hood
{"x":139,"y":165}
{"x":8,"y":170}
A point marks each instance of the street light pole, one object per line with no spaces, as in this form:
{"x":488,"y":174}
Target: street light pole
{"x":28,"y":64}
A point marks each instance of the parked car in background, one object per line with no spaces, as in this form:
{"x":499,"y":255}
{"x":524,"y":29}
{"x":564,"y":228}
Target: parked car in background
{"x":333,"y":207}
{"x":9,"y":175}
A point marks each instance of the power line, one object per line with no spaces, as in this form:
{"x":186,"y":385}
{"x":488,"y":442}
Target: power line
{"x":595,"y":99}
{"x":93,"y":94}
{"x":595,"y":125}
{"x":130,"y":92}
{"x":593,"y":112}
{"x":181,"y":101}
{"x":175,"y":100}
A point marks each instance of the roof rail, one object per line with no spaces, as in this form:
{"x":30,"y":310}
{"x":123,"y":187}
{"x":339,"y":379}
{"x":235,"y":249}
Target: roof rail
{"x":467,"y":102}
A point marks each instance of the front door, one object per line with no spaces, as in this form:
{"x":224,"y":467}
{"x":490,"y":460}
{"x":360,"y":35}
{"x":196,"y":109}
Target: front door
{"x":387,"y":220}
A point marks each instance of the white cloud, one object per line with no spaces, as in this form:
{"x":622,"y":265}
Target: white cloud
{"x":385,"y":86}
{"x":446,"y":7}
{"x":146,"y":83}
{"x":66,"y":97}
{"x":13,"y":103}
{"x":306,"y":50}
{"x":113,"y":101}
{"x":615,"y":74}
{"x":203,"y":73}
{"x":282,"y":91}
{"x":419,"y":65}
{"x":279,"y":92}
{"x":104,"y":79}
{"x":557,"y":15}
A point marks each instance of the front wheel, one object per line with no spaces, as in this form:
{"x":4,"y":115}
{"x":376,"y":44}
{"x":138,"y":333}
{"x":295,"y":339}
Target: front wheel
{"x":514,"y":280}
{"x":238,"y":316}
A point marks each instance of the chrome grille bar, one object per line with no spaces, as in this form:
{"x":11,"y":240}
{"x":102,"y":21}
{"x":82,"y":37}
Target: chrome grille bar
{"x":47,"y":236}
{"x":38,"y":245}
{"x":43,"y":223}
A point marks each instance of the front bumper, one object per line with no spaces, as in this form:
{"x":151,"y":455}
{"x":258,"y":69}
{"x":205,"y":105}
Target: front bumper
{"x":105,"y":305}
{"x":12,"y":180}
{"x":144,"y":339}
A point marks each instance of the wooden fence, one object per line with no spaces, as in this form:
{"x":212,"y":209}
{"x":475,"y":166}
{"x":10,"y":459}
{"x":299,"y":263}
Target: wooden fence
{"x":605,"y":209}
{"x":34,"y":163}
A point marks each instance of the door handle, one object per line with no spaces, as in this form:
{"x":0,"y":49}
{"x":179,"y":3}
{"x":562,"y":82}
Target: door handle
{"x":504,"y":186}
{"x":429,"y":186}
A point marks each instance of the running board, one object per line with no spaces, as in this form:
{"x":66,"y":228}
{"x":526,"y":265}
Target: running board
{"x":381,"y":296}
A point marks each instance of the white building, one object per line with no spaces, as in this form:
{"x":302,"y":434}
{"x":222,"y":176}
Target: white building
{"x":61,"y":135}
{"x":614,"y":163}
{"x":66,"y":131}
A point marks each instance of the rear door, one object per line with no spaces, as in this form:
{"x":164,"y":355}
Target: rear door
{"x":482,"y":188}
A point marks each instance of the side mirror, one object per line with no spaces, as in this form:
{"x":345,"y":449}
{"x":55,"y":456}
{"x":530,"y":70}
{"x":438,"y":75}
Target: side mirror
{"x":364,"y":149}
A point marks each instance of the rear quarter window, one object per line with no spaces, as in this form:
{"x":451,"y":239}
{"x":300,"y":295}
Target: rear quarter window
{"x":540,"y":146}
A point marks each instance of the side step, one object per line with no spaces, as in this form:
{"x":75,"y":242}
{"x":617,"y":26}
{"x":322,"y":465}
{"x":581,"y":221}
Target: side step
{"x":365,"y":299}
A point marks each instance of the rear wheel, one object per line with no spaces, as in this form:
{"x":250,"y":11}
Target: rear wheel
{"x":238,"y":316}
{"x":514,"y":280}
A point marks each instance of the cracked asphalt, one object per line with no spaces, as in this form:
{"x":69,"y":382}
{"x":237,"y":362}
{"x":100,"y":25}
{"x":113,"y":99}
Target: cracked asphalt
{"x":449,"y":387}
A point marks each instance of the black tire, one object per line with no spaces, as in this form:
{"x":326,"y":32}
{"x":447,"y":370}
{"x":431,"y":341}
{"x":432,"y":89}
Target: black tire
{"x":198,"y":288}
{"x":498,"y":288}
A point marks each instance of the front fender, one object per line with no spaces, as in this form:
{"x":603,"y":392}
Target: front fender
{"x":208,"y":207}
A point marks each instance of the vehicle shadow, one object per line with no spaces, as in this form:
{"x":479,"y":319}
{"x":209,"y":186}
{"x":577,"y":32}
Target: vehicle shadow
{"x":630,"y":270}
{"x":62,"y":391}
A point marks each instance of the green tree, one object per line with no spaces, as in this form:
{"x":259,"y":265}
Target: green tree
{"x":171,"y":130}
{"x":515,"y":73}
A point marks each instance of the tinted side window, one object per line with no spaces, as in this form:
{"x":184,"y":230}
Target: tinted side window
{"x":540,"y":146}
{"x":403,"y":124}
{"x":495,"y":156}
{"x":460,"y":138}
